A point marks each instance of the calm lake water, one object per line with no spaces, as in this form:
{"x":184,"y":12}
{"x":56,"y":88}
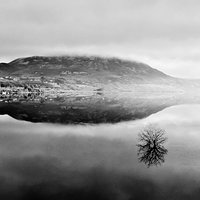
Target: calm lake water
{"x":50,"y":161}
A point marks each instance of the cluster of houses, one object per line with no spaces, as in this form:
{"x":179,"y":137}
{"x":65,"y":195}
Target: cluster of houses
{"x":7,"y":91}
{"x":8,"y":88}
{"x":7,"y":97}
{"x":14,"y":87}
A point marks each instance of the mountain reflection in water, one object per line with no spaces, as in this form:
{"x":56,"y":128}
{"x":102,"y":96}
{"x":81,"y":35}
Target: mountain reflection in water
{"x":93,"y":108}
{"x":50,"y":161}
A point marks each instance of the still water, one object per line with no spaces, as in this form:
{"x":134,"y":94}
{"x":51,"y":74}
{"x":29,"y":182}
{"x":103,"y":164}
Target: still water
{"x":50,"y":161}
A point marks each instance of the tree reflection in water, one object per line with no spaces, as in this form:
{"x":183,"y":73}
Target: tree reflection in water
{"x":150,"y":146}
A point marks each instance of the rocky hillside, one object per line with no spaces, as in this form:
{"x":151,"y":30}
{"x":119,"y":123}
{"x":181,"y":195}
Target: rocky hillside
{"x":90,"y":71}
{"x":97,"y":67}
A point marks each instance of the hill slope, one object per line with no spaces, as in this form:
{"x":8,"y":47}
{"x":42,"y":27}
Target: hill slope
{"x":112,"y":68}
{"x":90,"y":73}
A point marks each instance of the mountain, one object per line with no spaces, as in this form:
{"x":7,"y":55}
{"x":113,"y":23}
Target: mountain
{"x":90,"y":72}
{"x":108,"y":68}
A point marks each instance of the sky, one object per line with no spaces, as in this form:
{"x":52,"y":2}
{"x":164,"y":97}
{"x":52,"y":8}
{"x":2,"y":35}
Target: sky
{"x":162,"y":33}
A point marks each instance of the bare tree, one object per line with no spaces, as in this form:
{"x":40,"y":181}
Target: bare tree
{"x":150,"y":146}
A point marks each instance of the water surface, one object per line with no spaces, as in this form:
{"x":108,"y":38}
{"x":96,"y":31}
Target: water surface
{"x":50,"y":161}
